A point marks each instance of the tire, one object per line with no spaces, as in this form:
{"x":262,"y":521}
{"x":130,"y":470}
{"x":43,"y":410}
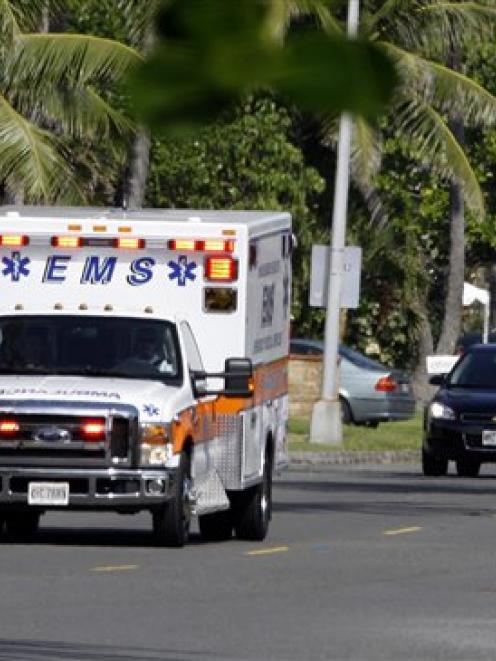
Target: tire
{"x":468,"y":467}
{"x":346,"y":417}
{"x":171,"y":522}
{"x":22,"y":525}
{"x":216,"y":527}
{"x":433,"y":465}
{"x":253,"y":508}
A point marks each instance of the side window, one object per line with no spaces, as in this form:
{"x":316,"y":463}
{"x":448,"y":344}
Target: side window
{"x":192,"y":352}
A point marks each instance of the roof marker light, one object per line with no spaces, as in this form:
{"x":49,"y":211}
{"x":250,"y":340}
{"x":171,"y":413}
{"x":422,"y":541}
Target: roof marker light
{"x":99,"y":228}
{"x":13,"y":240}
{"x":221,"y":269}
{"x":218,"y":245}
{"x":124,"y":228}
{"x":129,"y":243}
{"x":185,"y":245}
{"x":66,"y":241}
{"x":75,"y":228}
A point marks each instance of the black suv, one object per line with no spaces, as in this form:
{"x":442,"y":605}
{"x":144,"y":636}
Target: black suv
{"x":460,"y":421}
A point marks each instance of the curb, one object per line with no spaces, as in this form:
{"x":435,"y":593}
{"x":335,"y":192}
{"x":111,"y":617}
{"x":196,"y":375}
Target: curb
{"x":314,"y":459}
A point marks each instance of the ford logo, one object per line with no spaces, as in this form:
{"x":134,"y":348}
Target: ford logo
{"x":52,"y":434}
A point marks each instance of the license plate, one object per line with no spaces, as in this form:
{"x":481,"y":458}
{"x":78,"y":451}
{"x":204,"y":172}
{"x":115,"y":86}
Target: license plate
{"x":48,"y":493}
{"x":489,"y":437}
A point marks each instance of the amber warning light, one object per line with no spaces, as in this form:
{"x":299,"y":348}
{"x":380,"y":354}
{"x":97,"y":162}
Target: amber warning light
{"x":13,"y":240}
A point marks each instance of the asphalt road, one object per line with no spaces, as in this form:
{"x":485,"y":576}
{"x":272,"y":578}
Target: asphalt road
{"x":360,"y":563}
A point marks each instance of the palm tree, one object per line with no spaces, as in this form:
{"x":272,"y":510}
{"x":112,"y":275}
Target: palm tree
{"x":433,"y":103}
{"x":50,"y":87}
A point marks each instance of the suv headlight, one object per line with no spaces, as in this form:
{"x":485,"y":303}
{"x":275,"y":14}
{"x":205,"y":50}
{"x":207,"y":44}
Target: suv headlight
{"x":156,"y":445}
{"x":440,"y":411}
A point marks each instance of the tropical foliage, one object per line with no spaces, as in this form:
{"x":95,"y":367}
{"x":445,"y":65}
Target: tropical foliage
{"x":64,"y":112}
{"x":52,"y":88}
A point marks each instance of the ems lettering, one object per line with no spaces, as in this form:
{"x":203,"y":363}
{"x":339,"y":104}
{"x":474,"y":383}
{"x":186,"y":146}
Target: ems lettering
{"x":141,"y":271}
{"x":55,"y":268}
{"x":98,"y":270}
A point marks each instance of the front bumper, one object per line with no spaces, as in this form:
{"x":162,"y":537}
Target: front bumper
{"x":454,"y":439}
{"x":110,"y":488}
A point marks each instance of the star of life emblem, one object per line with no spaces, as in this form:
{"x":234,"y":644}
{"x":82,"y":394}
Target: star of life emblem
{"x":16,"y":266}
{"x":182,"y":270}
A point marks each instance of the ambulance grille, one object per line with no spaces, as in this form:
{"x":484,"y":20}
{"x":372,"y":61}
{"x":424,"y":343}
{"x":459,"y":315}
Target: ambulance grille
{"x":58,"y":440}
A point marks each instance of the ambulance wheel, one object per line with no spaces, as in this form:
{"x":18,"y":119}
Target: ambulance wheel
{"x":253,"y":509}
{"x":172,"y":521}
{"x":216,"y":527}
{"x":22,"y":525}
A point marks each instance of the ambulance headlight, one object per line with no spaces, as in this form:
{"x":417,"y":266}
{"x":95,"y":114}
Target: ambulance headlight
{"x":156,"y":447}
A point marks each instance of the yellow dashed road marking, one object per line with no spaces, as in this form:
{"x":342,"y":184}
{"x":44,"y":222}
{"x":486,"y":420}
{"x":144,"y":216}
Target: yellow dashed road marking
{"x":110,"y":568}
{"x":276,"y":549}
{"x":402,"y":531}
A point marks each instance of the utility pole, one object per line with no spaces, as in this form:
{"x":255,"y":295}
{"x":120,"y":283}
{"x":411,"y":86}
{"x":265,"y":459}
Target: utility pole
{"x":326,"y":416}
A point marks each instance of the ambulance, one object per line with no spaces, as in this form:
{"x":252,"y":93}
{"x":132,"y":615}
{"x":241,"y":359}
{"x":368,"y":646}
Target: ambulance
{"x":143,"y":366}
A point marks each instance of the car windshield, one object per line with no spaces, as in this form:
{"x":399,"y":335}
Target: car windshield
{"x":89,"y":346}
{"x":477,"y":369}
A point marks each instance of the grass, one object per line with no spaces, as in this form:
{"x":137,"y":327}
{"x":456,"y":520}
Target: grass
{"x":405,"y":435}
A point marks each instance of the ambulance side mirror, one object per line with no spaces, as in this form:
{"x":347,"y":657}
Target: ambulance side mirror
{"x":238,"y":377}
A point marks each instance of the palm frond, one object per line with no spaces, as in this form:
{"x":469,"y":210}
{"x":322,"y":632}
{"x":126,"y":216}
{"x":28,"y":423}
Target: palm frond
{"x":81,"y":58}
{"x":9,"y":22}
{"x":365,"y":165}
{"x":365,"y":151}
{"x":29,"y":156}
{"x":281,"y":13}
{"x":431,"y":27}
{"x":443,"y":87}
{"x":139,"y":19}
{"x":370,"y":21}
{"x":428,"y":138}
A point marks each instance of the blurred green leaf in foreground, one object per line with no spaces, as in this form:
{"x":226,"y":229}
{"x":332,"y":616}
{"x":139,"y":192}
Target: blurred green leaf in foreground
{"x":210,"y":53}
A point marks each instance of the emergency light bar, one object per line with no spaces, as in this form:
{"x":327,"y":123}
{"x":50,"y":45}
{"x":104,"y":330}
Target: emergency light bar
{"x":221,"y":269}
{"x":13,"y":240}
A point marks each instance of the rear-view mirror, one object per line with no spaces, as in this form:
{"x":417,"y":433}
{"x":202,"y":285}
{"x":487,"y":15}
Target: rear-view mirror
{"x":437,"y":379}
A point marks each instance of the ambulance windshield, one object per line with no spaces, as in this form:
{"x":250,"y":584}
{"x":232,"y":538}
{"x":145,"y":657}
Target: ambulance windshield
{"x":90,"y":346}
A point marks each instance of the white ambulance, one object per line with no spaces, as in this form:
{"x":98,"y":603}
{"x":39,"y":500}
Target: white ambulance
{"x":143,"y":366}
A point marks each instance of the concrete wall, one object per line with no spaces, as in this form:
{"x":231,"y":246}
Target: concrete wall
{"x":305,"y":383}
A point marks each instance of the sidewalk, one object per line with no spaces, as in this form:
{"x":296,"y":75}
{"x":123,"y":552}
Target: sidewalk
{"x":341,"y":458}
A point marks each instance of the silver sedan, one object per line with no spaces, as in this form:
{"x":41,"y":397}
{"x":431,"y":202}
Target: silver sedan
{"x":369,"y":391}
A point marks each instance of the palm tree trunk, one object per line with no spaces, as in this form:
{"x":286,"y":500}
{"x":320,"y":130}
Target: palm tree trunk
{"x":456,"y":271}
{"x":452,"y":321}
{"x":137,"y":173}
{"x":421,"y":387}
{"x":138,"y":169}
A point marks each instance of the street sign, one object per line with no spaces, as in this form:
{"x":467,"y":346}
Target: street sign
{"x":319,"y":279}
